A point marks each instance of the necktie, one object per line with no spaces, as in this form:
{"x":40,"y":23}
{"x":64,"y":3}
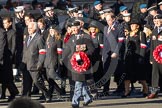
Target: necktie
{"x":29,"y":40}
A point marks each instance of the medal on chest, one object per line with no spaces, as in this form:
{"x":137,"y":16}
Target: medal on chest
{"x":81,"y":47}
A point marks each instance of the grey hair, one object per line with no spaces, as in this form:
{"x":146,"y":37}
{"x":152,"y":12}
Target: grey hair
{"x":35,"y":25}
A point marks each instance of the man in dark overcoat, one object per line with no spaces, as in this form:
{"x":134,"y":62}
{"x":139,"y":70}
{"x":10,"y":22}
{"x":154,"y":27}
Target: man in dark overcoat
{"x":156,"y":40}
{"x":10,"y":36}
{"x":80,"y":41}
{"x":113,"y":40}
{"x":33,"y":56}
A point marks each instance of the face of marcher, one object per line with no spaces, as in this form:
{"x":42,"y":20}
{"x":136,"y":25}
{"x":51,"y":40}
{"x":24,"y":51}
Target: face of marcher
{"x":127,"y":19}
{"x":134,"y":27}
{"x":159,"y":22}
{"x":75,"y":14}
{"x":75,"y":29}
{"x":20,"y":14}
{"x":50,"y":13}
{"x":92,"y":29}
{"x":40,"y":25}
{"x":86,"y":10}
{"x":27,"y":20}
{"x":31,"y":28}
{"x":69,"y":30}
{"x":52,"y":32}
{"x":109,"y":20}
{"x":160,"y":7}
{"x":153,"y":12}
{"x":6,"y":24}
{"x":155,"y":22}
{"x":143,"y":10}
{"x":98,"y":7}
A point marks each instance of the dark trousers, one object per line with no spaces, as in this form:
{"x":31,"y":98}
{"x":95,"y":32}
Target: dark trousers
{"x":110,"y":65}
{"x":11,"y":88}
{"x":51,"y":76}
{"x":39,"y":82}
{"x":156,"y":73}
{"x":26,"y":83}
{"x":72,"y":87}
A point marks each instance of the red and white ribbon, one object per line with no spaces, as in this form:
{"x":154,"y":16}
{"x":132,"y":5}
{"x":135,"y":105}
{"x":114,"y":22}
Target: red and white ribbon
{"x":59,"y":50}
{"x":42,"y":51}
{"x":143,"y":45}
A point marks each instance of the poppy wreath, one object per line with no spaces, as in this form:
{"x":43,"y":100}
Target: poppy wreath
{"x":157,"y":54}
{"x":76,"y":66}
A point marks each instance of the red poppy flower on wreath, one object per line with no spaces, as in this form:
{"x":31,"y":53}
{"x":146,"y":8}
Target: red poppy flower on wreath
{"x":84,"y":66}
{"x":157,"y":54}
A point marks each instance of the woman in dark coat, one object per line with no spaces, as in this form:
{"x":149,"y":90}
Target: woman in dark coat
{"x":53,"y":55}
{"x":97,"y":39}
{"x":134,"y":58}
{"x":148,"y":66}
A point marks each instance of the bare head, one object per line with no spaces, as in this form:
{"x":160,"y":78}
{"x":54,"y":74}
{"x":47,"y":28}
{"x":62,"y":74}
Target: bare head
{"x":32,"y":27}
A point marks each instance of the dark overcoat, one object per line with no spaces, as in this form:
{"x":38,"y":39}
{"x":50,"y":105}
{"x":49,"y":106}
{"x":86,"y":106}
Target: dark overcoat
{"x":70,"y":49}
{"x":9,"y":50}
{"x":34,"y":53}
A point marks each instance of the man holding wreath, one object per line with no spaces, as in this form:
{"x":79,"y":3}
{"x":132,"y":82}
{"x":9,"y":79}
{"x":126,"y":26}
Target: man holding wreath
{"x":77,"y":58}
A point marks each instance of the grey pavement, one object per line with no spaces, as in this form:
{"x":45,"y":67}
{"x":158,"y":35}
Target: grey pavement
{"x":113,"y":101}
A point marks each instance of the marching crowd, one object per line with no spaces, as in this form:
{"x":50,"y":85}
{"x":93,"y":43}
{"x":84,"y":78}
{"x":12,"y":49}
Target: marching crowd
{"x":91,"y":47}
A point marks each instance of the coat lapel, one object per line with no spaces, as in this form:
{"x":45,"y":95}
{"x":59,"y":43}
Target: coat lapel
{"x":36,"y":35}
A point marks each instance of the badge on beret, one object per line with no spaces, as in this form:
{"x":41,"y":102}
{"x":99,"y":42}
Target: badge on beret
{"x":154,"y":37}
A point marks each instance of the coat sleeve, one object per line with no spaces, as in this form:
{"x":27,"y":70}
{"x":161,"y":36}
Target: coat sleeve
{"x":2,"y":46}
{"x":143,"y":43}
{"x":100,"y":40}
{"x":59,"y":49}
{"x":42,"y":51}
{"x":66,"y":53}
{"x":152,"y":48}
{"x":13,"y":43}
{"x":120,"y":39}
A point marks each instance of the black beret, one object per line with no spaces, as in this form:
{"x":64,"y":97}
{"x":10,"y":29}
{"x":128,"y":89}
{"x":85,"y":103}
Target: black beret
{"x":135,"y":21}
{"x":159,"y":16}
{"x":75,"y":23}
{"x":152,"y":8}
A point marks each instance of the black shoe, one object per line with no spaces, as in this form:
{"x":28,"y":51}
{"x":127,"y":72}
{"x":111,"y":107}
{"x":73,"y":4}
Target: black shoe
{"x":10,"y":98}
{"x":63,"y":92}
{"x":87,"y":103}
{"x":75,"y":106}
{"x":35,"y":92}
{"x":125,"y":96}
{"x":3,"y":97}
{"x":48,"y":97}
{"x":42,"y":97}
{"x":145,"y":94}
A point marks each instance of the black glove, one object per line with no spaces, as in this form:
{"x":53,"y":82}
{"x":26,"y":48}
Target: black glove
{"x":22,"y":66}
